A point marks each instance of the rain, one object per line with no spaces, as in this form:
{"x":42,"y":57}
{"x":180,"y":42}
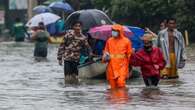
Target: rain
{"x":30,"y":84}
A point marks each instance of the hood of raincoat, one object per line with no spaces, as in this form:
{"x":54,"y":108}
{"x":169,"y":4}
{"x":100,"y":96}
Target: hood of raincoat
{"x":119,"y":28}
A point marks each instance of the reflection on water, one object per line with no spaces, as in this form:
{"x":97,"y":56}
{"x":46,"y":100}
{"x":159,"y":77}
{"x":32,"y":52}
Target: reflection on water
{"x":151,"y":94}
{"x":30,"y":85}
{"x":118,"y":96}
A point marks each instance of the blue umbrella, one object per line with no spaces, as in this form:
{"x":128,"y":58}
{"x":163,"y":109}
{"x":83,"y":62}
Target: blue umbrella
{"x":41,"y":9}
{"x":137,"y":43}
{"x":61,"y":5}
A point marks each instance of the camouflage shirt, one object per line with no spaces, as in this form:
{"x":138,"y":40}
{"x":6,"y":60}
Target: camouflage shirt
{"x":70,"y":49}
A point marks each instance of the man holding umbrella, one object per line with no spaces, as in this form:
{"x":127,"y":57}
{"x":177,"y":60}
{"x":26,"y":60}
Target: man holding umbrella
{"x":69,"y":52}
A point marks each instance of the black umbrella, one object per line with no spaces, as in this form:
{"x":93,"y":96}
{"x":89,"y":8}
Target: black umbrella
{"x":89,"y":18}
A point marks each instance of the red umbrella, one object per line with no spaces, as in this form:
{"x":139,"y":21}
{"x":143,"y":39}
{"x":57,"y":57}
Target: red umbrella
{"x":104,"y":32}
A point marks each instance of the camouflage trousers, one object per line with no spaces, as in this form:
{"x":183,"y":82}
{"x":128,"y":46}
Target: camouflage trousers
{"x":70,"y":72}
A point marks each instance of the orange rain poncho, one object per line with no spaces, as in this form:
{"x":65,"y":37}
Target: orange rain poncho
{"x":120,"y":51}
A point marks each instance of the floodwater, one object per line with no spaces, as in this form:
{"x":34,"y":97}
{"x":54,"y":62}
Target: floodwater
{"x":29,"y":85}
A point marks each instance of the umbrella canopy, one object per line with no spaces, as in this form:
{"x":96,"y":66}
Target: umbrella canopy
{"x":104,"y":32}
{"x":41,"y":9}
{"x":89,"y":18}
{"x":136,"y":30}
{"x":46,"y":18}
{"x":62,"y":6}
{"x":137,"y":43}
{"x":47,"y":2}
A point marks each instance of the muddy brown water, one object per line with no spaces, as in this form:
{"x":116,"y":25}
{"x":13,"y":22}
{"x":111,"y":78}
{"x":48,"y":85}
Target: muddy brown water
{"x":29,"y":85}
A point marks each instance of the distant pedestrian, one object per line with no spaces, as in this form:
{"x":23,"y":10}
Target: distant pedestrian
{"x":19,"y":30}
{"x":163,"y":25}
{"x":41,"y":42}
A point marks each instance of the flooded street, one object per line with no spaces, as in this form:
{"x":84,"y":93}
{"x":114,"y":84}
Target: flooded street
{"x":29,"y":85}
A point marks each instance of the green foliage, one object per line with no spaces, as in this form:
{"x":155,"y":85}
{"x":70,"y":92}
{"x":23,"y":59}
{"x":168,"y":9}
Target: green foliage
{"x":47,"y":2}
{"x":149,"y":13}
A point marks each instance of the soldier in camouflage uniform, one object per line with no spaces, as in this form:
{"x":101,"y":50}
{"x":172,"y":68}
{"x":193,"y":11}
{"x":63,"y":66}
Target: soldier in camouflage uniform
{"x":69,"y":52}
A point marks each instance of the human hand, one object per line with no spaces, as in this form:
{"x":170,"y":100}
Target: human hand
{"x":106,"y":57}
{"x":147,"y":29}
{"x":60,"y":62}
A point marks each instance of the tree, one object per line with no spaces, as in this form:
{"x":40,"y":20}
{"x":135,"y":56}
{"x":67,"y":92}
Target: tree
{"x":75,"y":4}
{"x":145,"y":13}
{"x":150,"y":12}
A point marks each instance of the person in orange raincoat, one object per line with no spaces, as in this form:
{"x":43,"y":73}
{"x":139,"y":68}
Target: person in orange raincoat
{"x":117,"y":53}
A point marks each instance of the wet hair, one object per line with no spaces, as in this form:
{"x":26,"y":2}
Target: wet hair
{"x":76,"y":22}
{"x":171,"y":19}
{"x":41,"y":26}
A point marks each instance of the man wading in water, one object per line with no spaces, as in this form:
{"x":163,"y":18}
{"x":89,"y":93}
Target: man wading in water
{"x":171,"y":41}
{"x":69,"y":52}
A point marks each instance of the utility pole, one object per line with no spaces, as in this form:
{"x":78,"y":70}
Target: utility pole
{"x":31,"y":5}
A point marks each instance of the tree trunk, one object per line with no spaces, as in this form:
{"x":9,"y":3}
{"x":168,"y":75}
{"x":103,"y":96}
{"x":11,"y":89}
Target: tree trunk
{"x":31,"y":4}
{"x":75,"y":4}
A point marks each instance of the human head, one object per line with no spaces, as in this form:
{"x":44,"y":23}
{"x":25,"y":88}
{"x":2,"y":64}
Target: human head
{"x":41,"y":26}
{"x":76,"y":26}
{"x":171,"y":22}
{"x":117,"y":31}
{"x":162,"y":25}
{"x":147,"y":39}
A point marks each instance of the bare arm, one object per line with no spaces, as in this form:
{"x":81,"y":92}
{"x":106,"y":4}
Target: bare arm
{"x":61,"y":51}
{"x":86,"y":44}
{"x":34,"y":36}
{"x":149,"y":31}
